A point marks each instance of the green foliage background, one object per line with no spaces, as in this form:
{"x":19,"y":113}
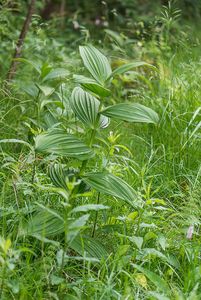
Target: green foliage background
{"x":69,"y":227}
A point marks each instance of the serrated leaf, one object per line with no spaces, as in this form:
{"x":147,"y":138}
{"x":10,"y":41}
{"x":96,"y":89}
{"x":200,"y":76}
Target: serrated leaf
{"x":85,"y":107}
{"x":110,"y":184}
{"x":131,"y":112}
{"x":96,"y":63}
{"x":62,"y":144}
{"x":92,"y":85}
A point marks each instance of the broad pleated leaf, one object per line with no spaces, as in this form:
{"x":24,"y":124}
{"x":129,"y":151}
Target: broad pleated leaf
{"x":62,"y":144}
{"x":131,"y":112}
{"x":43,"y":223}
{"x":127,"y":67}
{"x":58,"y":73}
{"x":92,"y":85}
{"x":104,"y":121}
{"x":85,"y":107}
{"x":89,"y":207}
{"x":110,"y":184}
{"x":96,"y":63}
{"x":58,"y":176}
{"x":91,"y":247}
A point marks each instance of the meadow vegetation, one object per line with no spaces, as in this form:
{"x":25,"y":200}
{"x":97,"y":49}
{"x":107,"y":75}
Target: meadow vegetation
{"x":100,"y":154}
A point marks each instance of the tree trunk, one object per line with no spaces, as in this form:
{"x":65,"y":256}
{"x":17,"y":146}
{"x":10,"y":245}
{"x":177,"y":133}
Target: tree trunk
{"x":20,"y":42}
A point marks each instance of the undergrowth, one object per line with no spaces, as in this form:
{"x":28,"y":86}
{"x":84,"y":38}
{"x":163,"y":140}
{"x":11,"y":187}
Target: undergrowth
{"x":100,"y":196}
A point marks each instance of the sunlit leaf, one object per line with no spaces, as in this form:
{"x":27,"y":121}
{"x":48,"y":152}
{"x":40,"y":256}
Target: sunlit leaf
{"x":92,"y":85}
{"x":58,"y":176}
{"x":131,"y":112}
{"x":89,"y":207}
{"x":110,"y":184}
{"x":58,"y":73}
{"x":137,"y":240}
{"x":85,"y":107}
{"x":96,"y":63}
{"x":104,"y":121}
{"x":46,"y":90}
{"x":127,"y":67}
{"x":63,"y":144}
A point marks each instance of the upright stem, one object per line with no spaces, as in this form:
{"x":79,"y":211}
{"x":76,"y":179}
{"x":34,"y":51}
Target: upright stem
{"x":84,"y":163}
{"x":96,"y":217}
{"x":20,"y":42}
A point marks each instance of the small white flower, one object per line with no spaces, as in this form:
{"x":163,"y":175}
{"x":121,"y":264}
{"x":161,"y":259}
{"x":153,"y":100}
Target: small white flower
{"x":189,"y":234}
{"x":97,"y":22}
{"x":76,"y":25}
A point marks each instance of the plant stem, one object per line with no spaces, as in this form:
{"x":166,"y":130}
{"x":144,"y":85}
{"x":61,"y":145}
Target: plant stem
{"x":84,"y":163}
{"x":3,"y":281}
{"x":96,"y":217}
{"x":20,"y":42}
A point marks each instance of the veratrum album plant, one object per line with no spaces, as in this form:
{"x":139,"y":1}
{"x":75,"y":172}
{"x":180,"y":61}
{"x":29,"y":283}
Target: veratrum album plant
{"x":78,"y":156}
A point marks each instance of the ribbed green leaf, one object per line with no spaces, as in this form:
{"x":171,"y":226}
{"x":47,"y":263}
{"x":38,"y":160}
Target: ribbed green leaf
{"x":131,"y":112}
{"x":85,"y":107}
{"x":127,"y":67}
{"x":115,"y":37}
{"x":88,"y":207}
{"x":58,"y":73}
{"x":110,"y":184}
{"x":43,"y":223}
{"x":96,"y":63}
{"x":58,"y":176}
{"x":92,"y":85}
{"x":104,"y":122}
{"x":91,"y":247}
{"x":63,"y":144}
